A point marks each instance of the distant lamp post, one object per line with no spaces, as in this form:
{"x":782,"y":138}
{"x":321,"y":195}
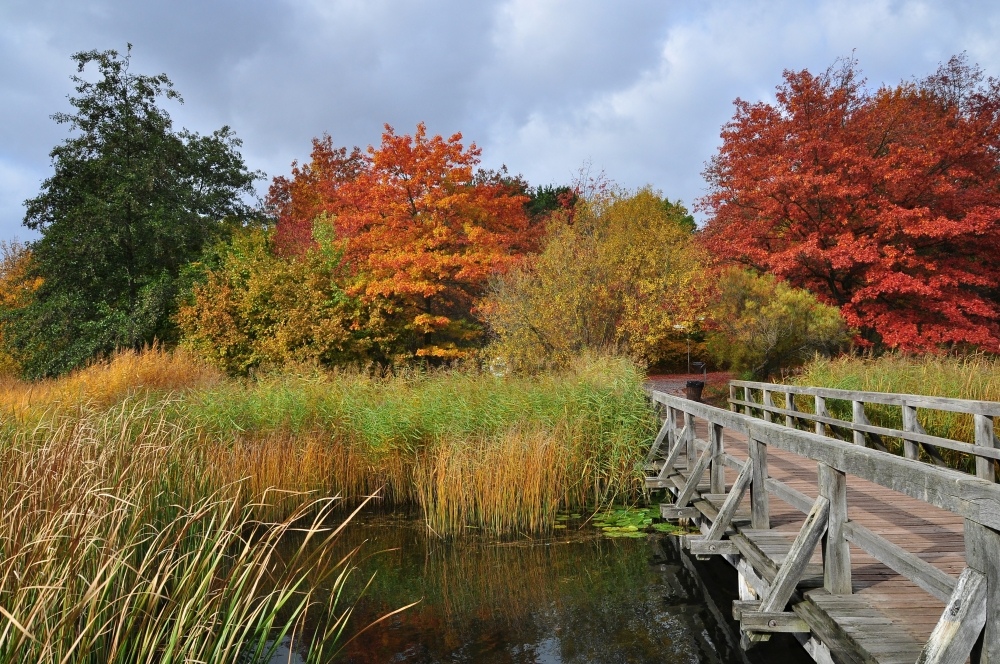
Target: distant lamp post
{"x":687,"y":335}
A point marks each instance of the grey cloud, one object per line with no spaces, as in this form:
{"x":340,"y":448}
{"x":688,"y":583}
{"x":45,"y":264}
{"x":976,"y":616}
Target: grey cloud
{"x":640,"y":89}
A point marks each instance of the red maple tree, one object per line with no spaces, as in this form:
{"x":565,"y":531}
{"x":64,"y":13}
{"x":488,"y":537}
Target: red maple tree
{"x":420,"y":233}
{"x":885,"y":203}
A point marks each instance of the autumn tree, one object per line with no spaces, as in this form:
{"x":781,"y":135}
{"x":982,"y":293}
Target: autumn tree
{"x":759,"y":325}
{"x":885,"y":203}
{"x":247,"y":308}
{"x":618,"y":278}
{"x":129,"y":202}
{"x":420,"y":234}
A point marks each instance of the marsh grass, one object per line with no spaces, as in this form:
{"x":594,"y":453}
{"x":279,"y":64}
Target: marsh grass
{"x":975,"y":377}
{"x":143,"y":499}
{"x":113,"y":549}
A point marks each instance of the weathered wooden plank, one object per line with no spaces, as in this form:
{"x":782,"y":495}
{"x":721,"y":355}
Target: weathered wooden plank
{"x":961,"y":623}
{"x":760,"y":509}
{"x":689,"y":439}
{"x":793,"y":497}
{"x":982,"y":545}
{"x":661,"y":436}
{"x":819,"y":406}
{"x":917,"y":435}
{"x":714,"y":547}
{"x":668,"y":465}
{"x":951,"y":490}
{"x":922,"y":573}
{"x":791,"y":570}
{"x":836,"y":550}
{"x":990,"y":408}
{"x":717,"y":471}
{"x":773,"y":622}
{"x":728,"y":509}
{"x":694,"y":478}
{"x":790,"y":408}
{"x":910,"y":424}
{"x":673,"y":513}
{"x":986,"y":440}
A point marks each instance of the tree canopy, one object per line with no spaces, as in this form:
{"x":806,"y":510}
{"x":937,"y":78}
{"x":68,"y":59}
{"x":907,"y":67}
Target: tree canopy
{"x":130,"y":202}
{"x":420,"y":234}
{"x":885,"y":203}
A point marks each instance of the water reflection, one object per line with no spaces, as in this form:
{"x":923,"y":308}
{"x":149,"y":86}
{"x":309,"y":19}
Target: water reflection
{"x":575,"y":598}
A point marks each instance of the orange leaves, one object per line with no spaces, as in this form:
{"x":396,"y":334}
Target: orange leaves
{"x":884,"y":203}
{"x":420,"y":234}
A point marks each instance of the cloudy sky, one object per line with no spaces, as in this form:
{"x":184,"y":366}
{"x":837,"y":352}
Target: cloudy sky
{"x":638,"y":88}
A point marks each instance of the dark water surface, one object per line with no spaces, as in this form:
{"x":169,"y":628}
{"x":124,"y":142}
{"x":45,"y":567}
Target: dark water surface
{"x":576,"y":597}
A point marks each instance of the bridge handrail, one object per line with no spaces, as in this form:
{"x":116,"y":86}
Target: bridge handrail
{"x":976,"y":500}
{"x":947,"y":488}
{"x":758,"y":398}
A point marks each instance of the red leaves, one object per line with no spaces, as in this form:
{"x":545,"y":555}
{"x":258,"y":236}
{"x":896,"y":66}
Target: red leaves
{"x":884,"y":203}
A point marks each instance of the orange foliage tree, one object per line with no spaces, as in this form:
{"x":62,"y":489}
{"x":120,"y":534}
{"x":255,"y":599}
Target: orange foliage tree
{"x":419,"y":232}
{"x":884,"y":203}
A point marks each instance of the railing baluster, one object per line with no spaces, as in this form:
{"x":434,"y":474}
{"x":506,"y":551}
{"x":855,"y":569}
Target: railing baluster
{"x":984,"y":438}
{"x":691,"y":452}
{"x":760,"y":512}
{"x":790,"y":405}
{"x":859,"y":417}
{"x":768,"y":402}
{"x":821,"y":411}
{"x":718,"y":471}
{"x":910,"y":449}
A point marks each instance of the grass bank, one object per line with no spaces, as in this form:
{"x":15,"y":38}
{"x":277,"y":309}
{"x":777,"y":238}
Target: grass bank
{"x":142,"y":499}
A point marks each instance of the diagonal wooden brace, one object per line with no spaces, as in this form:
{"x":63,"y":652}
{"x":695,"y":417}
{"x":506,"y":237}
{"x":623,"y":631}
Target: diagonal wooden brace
{"x":961,"y":623}
{"x":709,"y":545}
{"x":660,"y":437}
{"x":791,"y":570}
{"x":692,"y":482}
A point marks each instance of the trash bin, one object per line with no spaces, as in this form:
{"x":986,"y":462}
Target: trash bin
{"x":693,"y":388}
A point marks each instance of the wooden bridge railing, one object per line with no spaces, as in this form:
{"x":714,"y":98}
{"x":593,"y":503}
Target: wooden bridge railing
{"x":973,"y":600}
{"x":758,"y":399}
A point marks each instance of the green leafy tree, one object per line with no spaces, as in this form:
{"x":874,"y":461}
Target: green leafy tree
{"x":615,"y":275}
{"x":129,"y":203}
{"x":760,"y":325}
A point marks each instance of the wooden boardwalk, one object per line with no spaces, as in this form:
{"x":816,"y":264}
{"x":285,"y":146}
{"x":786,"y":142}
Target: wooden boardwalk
{"x":896,"y":586}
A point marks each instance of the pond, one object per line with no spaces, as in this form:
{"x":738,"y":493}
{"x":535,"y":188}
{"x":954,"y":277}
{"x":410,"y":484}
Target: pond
{"x":576,"y":597}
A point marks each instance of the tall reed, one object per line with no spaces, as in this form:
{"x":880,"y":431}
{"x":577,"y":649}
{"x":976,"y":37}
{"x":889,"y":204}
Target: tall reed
{"x":113,"y":549}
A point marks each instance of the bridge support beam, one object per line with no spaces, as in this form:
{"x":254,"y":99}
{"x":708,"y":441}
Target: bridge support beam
{"x":982,"y":554}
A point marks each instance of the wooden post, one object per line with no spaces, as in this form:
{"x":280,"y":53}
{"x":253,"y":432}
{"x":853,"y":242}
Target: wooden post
{"x":984,"y":438}
{"x":760,"y":513}
{"x":672,"y":429}
{"x":718,"y":472}
{"x":836,"y":550}
{"x":768,"y":403}
{"x":910,"y":449}
{"x":732,"y":397}
{"x":822,"y":412}
{"x":981,"y":547}
{"x":859,"y":417}
{"x":692,"y":453}
{"x":790,"y":405}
